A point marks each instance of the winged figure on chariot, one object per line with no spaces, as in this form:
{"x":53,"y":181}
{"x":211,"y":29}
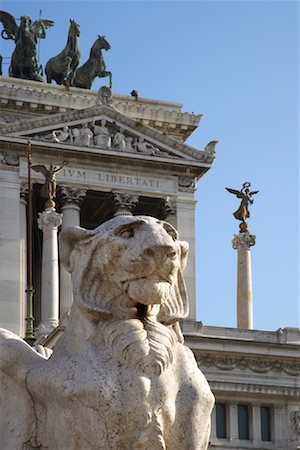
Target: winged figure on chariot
{"x":24,"y":62}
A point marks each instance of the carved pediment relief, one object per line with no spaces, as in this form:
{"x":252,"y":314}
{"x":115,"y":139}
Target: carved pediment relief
{"x":103,"y":134}
{"x":104,"y":128}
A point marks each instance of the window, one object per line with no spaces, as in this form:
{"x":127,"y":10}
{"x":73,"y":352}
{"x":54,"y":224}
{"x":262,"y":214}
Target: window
{"x":243,"y":421}
{"x":265,"y":420}
{"x":221,"y":420}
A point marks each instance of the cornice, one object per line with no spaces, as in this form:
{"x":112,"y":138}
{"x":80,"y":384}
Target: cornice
{"x":247,"y":388}
{"x":42,"y":98}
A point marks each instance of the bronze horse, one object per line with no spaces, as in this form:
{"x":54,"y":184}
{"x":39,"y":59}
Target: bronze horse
{"x":61,"y":68}
{"x":94,"y":66}
{"x":24,"y":62}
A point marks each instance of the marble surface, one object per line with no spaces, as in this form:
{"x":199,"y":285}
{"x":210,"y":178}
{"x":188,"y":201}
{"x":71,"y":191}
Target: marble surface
{"x":120,"y":377}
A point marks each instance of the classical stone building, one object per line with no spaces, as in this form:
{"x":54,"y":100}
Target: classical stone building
{"x":121,"y":154}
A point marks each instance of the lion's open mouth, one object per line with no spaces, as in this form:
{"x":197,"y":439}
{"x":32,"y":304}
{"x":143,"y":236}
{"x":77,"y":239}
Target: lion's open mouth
{"x":144,"y":311}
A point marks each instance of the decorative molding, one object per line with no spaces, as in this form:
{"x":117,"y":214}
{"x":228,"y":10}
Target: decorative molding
{"x":41,"y":98}
{"x":10,"y":119}
{"x":255,"y":388}
{"x":255,"y":365}
{"x":243,"y":240}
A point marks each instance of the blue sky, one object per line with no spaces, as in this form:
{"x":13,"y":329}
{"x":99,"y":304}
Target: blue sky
{"x":237,"y":63}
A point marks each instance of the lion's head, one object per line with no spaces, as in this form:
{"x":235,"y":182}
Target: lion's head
{"x":127,"y":273}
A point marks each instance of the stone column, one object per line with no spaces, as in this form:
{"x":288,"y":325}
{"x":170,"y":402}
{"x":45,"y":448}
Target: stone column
{"x":23,"y":255}
{"x":124,"y":203}
{"x":169,"y":211}
{"x":213,"y":431}
{"x":256,"y":433}
{"x":71,"y":199}
{"x":279,"y":424}
{"x":242,"y":243}
{"x":48,"y":221}
{"x":233,"y":422}
{"x":186,"y":228}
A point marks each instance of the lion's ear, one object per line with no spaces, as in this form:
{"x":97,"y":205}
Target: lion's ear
{"x":68,"y":238}
{"x":184,"y":246}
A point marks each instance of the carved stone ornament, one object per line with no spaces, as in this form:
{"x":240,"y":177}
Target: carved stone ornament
{"x":120,"y":376}
{"x":24,"y":190}
{"x":169,"y":207}
{"x":49,"y":218}
{"x":72,"y":195}
{"x":243,"y":240}
{"x":9,"y":159}
{"x":104,"y":96}
{"x":124,"y":203}
{"x":10,"y":119}
{"x":255,"y":365}
{"x":105,"y":135}
{"x":186,"y":181}
{"x":210,"y":152}
{"x":295,"y":418}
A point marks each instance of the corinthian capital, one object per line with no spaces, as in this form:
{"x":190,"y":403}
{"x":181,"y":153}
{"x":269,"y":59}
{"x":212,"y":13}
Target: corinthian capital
{"x":169,"y":208}
{"x":124,"y":203}
{"x":49,"y":219}
{"x":72,"y":195}
{"x":243,"y":240}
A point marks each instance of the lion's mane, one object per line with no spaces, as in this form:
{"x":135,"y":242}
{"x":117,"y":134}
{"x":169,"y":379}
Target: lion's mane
{"x":117,"y":279}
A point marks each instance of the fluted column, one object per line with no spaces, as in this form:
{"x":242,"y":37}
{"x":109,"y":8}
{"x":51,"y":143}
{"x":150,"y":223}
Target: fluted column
{"x":242,"y":243}
{"x":49,"y":221}
{"x":71,"y":199}
{"x":169,"y":211}
{"x":124,"y":203}
{"x":23,"y":258}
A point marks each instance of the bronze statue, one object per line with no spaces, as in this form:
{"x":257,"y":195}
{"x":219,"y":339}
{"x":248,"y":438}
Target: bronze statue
{"x":24,"y":63}
{"x":93,"y":67}
{"x":61,"y":68}
{"x":48,"y":190}
{"x":242,"y":213}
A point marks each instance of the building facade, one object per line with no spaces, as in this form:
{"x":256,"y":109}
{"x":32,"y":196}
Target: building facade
{"x":115,"y":155}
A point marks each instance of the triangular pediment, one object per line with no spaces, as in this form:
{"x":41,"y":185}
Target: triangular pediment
{"x":104,"y":129}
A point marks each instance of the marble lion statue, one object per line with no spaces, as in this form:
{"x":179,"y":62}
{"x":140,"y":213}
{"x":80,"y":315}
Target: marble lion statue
{"x":120,"y":377}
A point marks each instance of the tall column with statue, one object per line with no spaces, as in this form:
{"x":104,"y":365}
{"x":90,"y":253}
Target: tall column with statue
{"x":49,"y":221}
{"x":242,"y":243}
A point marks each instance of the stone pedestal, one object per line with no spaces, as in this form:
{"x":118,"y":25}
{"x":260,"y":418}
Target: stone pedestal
{"x":242,"y":243}
{"x":49,"y":221}
{"x":71,"y":199}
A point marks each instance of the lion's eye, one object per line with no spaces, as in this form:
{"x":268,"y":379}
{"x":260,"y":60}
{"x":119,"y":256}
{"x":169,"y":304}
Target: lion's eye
{"x":173,"y":235}
{"x":127,"y":233}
